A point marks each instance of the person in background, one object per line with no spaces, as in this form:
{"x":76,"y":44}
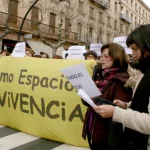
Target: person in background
{"x":57,"y":57}
{"x":136,"y":56}
{"x":4,"y":53}
{"x":135,"y":115}
{"x":36,"y":56}
{"x":29,"y":52}
{"x":97,"y":70}
{"x":41,"y":53}
{"x":114,"y":65}
{"x":45,"y":55}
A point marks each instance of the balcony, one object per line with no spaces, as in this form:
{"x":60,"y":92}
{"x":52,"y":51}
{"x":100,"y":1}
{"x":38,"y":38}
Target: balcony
{"x":102,"y":3}
{"x":29,"y":26}
{"x":125,"y":18}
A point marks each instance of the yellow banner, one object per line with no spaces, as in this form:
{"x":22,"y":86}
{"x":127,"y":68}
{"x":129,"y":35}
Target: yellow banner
{"x":35,"y":98}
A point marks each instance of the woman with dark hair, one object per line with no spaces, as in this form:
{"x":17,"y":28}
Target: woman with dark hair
{"x":114,"y":65}
{"x":135,"y":115}
{"x":45,"y":55}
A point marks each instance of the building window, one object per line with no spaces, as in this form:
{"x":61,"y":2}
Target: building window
{"x":90,"y":33}
{"x":108,"y":37}
{"x":121,"y":28}
{"x":100,"y":16}
{"x":108,"y":20}
{"x":140,"y":10}
{"x":121,"y":8}
{"x":79,"y":30}
{"x":135,"y":19}
{"x":116,"y":8}
{"x":143,"y":13}
{"x":91,"y":12}
{"x":13,"y":11}
{"x":115,"y":25}
{"x":136,"y":8}
{"x":34,"y":18}
{"x":52,"y":22}
{"x":127,"y":29}
{"x":131,"y":16}
{"x":131,"y":3}
{"x":81,"y":6}
{"x":127,"y":13}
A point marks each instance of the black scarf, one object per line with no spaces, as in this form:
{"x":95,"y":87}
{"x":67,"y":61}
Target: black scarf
{"x":135,"y":140}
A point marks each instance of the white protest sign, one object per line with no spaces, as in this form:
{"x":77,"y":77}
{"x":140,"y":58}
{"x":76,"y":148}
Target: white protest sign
{"x":96,"y":47}
{"x":77,"y":48}
{"x":79,"y":77}
{"x":85,"y":97}
{"x":19,"y":50}
{"x":74,"y":52}
{"x":122,"y":41}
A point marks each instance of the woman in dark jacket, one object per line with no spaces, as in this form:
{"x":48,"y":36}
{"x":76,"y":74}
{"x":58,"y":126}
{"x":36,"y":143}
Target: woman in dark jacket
{"x":114,"y":65}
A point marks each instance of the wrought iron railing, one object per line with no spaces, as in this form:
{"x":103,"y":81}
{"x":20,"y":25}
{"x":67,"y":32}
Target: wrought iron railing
{"x":29,"y":26}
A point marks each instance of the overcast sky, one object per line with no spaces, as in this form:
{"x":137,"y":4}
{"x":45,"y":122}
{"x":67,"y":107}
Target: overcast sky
{"x":147,"y":2}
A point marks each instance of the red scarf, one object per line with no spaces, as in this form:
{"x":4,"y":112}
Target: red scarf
{"x":108,"y":74}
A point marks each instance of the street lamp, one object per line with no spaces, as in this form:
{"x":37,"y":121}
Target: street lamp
{"x":25,"y":18}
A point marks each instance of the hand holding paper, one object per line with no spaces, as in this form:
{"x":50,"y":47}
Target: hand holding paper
{"x":85,"y":97}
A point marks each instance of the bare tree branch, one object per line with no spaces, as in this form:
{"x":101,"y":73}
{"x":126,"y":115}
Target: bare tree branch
{"x":63,"y":10}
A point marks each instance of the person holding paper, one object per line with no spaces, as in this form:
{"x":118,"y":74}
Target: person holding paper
{"x":135,"y":115}
{"x":114,"y":65}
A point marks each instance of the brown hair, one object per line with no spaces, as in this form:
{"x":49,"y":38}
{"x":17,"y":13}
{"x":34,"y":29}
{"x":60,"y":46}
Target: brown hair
{"x":91,"y":53}
{"x":7,"y":53}
{"x":57,"y":57}
{"x":117,"y":52}
{"x":47,"y":56}
{"x":30,"y":50}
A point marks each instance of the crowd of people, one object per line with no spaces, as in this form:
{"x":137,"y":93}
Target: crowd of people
{"x":30,"y":53}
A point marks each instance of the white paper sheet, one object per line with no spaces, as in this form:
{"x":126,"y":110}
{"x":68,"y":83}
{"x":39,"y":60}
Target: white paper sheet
{"x":79,"y":77}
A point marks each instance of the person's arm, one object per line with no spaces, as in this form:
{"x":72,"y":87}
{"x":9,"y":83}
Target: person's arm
{"x":133,"y":119}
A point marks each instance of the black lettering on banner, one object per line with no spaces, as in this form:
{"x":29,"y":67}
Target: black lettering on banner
{"x":61,"y":84}
{"x":21,"y":76}
{"x":66,"y":86}
{"x":49,"y":106}
{"x":9,"y":100}
{"x":76,"y":113}
{"x":44,"y":82}
{"x":36,"y":81}
{"x":11,"y":77}
{"x":51,"y":83}
{"x":63,"y":111}
{"x":22,"y":103}
{"x":4,"y":77}
{"x":2,"y":100}
{"x":34,"y":105}
{"x":14,"y":100}
{"x":29,"y":77}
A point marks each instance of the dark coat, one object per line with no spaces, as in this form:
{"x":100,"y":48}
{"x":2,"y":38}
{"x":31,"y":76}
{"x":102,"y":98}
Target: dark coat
{"x":114,"y":89}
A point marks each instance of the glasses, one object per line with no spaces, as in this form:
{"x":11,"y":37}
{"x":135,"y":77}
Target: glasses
{"x":105,"y":56}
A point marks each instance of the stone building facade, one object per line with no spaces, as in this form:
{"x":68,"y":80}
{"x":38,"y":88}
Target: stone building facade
{"x":93,"y":21}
